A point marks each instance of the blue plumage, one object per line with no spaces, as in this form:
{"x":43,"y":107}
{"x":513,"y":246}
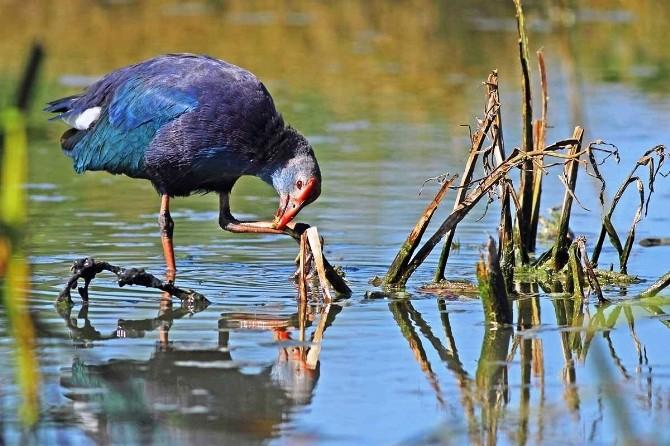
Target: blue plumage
{"x":128,"y":125}
{"x":190,"y":124}
{"x":187,"y":123}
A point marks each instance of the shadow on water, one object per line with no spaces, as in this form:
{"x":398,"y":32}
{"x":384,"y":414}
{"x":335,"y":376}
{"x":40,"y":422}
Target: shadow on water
{"x":191,"y":395}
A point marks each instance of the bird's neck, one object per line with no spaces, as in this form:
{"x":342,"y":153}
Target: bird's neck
{"x":285,"y":145}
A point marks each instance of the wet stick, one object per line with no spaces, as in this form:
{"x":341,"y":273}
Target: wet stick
{"x":476,"y":146}
{"x":526,"y":189}
{"x":414,"y":238}
{"x":576,"y":278}
{"x":302,"y":268}
{"x":492,"y":289}
{"x":315,"y":245}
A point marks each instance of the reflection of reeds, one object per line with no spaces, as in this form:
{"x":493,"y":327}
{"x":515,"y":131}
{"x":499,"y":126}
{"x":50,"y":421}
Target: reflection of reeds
{"x":401,"y":313}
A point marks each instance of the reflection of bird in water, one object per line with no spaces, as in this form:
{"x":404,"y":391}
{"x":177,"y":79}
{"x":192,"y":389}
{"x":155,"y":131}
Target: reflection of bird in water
{"x":199,"y":396}
{"x":190,"y":124}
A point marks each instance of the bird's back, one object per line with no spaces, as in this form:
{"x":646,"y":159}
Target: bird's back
{"x":163,"y":118}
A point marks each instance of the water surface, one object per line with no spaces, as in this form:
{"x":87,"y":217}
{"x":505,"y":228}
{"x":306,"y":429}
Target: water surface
{"x":382,"y":91}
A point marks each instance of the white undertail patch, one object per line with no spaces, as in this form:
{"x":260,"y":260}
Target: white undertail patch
{"x":83,"y":120}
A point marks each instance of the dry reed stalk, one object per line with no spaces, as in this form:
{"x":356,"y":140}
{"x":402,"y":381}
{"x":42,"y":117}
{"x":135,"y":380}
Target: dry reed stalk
{"x":476,"y":145}
{"x":540,"y":134}
{"x":302,"y":268}
{"x":506,"y":235}
{"x":526,"y":188}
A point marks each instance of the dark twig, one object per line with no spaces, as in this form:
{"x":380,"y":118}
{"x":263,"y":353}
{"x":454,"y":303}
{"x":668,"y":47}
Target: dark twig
{"x":589,"y":273}
{"x":87,"y":268}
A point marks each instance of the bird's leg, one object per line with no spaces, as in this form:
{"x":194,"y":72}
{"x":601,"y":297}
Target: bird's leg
{"x":231,"y":224}
{"x":167,"y":228}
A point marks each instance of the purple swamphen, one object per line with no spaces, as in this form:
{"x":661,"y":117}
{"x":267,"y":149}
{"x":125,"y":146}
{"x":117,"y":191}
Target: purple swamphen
{"x":190,"y":123}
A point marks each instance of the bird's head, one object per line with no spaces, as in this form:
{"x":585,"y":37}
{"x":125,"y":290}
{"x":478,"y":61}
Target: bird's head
{"x":297,"y":181}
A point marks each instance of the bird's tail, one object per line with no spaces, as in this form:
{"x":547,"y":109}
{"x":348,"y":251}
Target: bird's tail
{"x":61,"y":105}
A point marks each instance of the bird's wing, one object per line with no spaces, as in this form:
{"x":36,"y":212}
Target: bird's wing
{"x":124,"y":126}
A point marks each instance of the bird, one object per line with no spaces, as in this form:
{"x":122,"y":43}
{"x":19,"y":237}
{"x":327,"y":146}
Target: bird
{"x":190,"y":124}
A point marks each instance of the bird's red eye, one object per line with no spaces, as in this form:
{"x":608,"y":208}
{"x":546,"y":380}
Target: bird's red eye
{"x":299,"y":184}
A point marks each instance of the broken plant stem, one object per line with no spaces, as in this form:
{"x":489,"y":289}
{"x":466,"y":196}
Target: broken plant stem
{"x":302,"y":267}
{"x":315,"y":247}
{"x":589,"y":273}
{"x":336,"y":281}
{"x":492,"y":289}
{"x":506,"y":233}
{"x":526,"y":189}
{"x":414,"y":238}
{"x":570,"y":170}
{"x":540,"y":133}
{"x":575,"y":280}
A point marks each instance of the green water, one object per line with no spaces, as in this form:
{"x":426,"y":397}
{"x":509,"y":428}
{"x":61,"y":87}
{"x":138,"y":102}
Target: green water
{"x":382,"y":90}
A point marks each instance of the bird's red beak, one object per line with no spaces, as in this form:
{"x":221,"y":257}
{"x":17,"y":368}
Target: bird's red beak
{"x":290,"y":206}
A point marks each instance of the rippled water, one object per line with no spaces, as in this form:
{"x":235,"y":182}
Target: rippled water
{"x":415,"y":368}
